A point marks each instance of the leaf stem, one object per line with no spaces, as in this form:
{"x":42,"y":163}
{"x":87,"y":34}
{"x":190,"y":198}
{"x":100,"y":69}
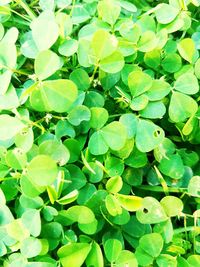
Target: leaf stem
{"x":186,"y":229}
{"x":160,"y":189}
{"x":28,"y":10}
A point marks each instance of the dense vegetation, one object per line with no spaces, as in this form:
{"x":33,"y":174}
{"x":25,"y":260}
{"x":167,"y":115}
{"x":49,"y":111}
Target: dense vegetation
{"x":99,"y":133}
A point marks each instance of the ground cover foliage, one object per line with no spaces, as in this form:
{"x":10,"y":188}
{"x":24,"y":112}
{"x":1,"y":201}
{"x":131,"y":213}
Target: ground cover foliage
{"x":99,"y":133}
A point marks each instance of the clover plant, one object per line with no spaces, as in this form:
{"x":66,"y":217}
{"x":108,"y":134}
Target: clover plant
{"x":99,"y":133}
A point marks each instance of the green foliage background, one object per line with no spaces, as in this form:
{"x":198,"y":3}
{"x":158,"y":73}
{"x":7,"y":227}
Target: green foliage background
{"x":99,"y":133}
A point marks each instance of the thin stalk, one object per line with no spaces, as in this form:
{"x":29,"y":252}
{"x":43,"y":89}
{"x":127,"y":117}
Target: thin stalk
{"x":160,"y":189}
{"x":186,"y":229}
{"x":162,"y":181}
{"x":28,"y":10}
{"x":15,"y":12}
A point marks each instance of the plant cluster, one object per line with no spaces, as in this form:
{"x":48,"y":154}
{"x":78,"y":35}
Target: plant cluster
{"x":99,"y":133}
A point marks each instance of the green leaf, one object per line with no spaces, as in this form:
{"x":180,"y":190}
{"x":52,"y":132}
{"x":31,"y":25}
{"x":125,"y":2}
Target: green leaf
{"x":172,"y":166}
{"x":99,"y":117}
{"x":9,"y":100}
{"x":128,"y":6}
{"x":114,"y":166}
{"x":194,"y":186}
{"x":165,"y":13}
{"x":80,"y":214}
{"x":10,"y":126}
{"x":79,"y":114}
{"x":113,"y":63}
{"x":57,"y":151}
{"x":173,"y":206}
{"x":68,"y":48}
{"x":55,"y":95}
{"x":139,"y":103}
{"x":154,"y":110}
{"x":46,"y":64}
{"x":187,"y":84}
{"x":74,"y":254}
{"x":112,"y":205}
{"x":148,"y":136}
{"x":186,"y":48}
{"x":32,"y":221}
{"x":114,"y":134}
{"x":147,"y":42}
{"x":166,"y":260}
{"x":17,"y":230}
{"x":158,"y":90}
{"x":44,"y":26}
{"x":108,"y":11}
{"x":95,"y":256}
{"x":103,"y":44}
{"x":193,"y":260}
{"x":130,"y":203}
{"x":112,"y":249}
{"x":197,"y":68}
{"x":129,"y":120}
{"x":114,"y":184}
{"x":181,"y":107}
{"x":16,"y":159}
{"x":139,"y":82}
{"x":64,"y":21}
{"x":172,"y":62}
{"x":151,"y":212}
{"x":97,"y":144}
{"x":126,"y":258}
{"x":79,"y":14}
{"x":152,"y":244}
{"x":69,"y":198}
{"x":31,"y":247}
{"x":6,"y":215}
{"x":42,"y":170}
{"x":81,"y":79}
